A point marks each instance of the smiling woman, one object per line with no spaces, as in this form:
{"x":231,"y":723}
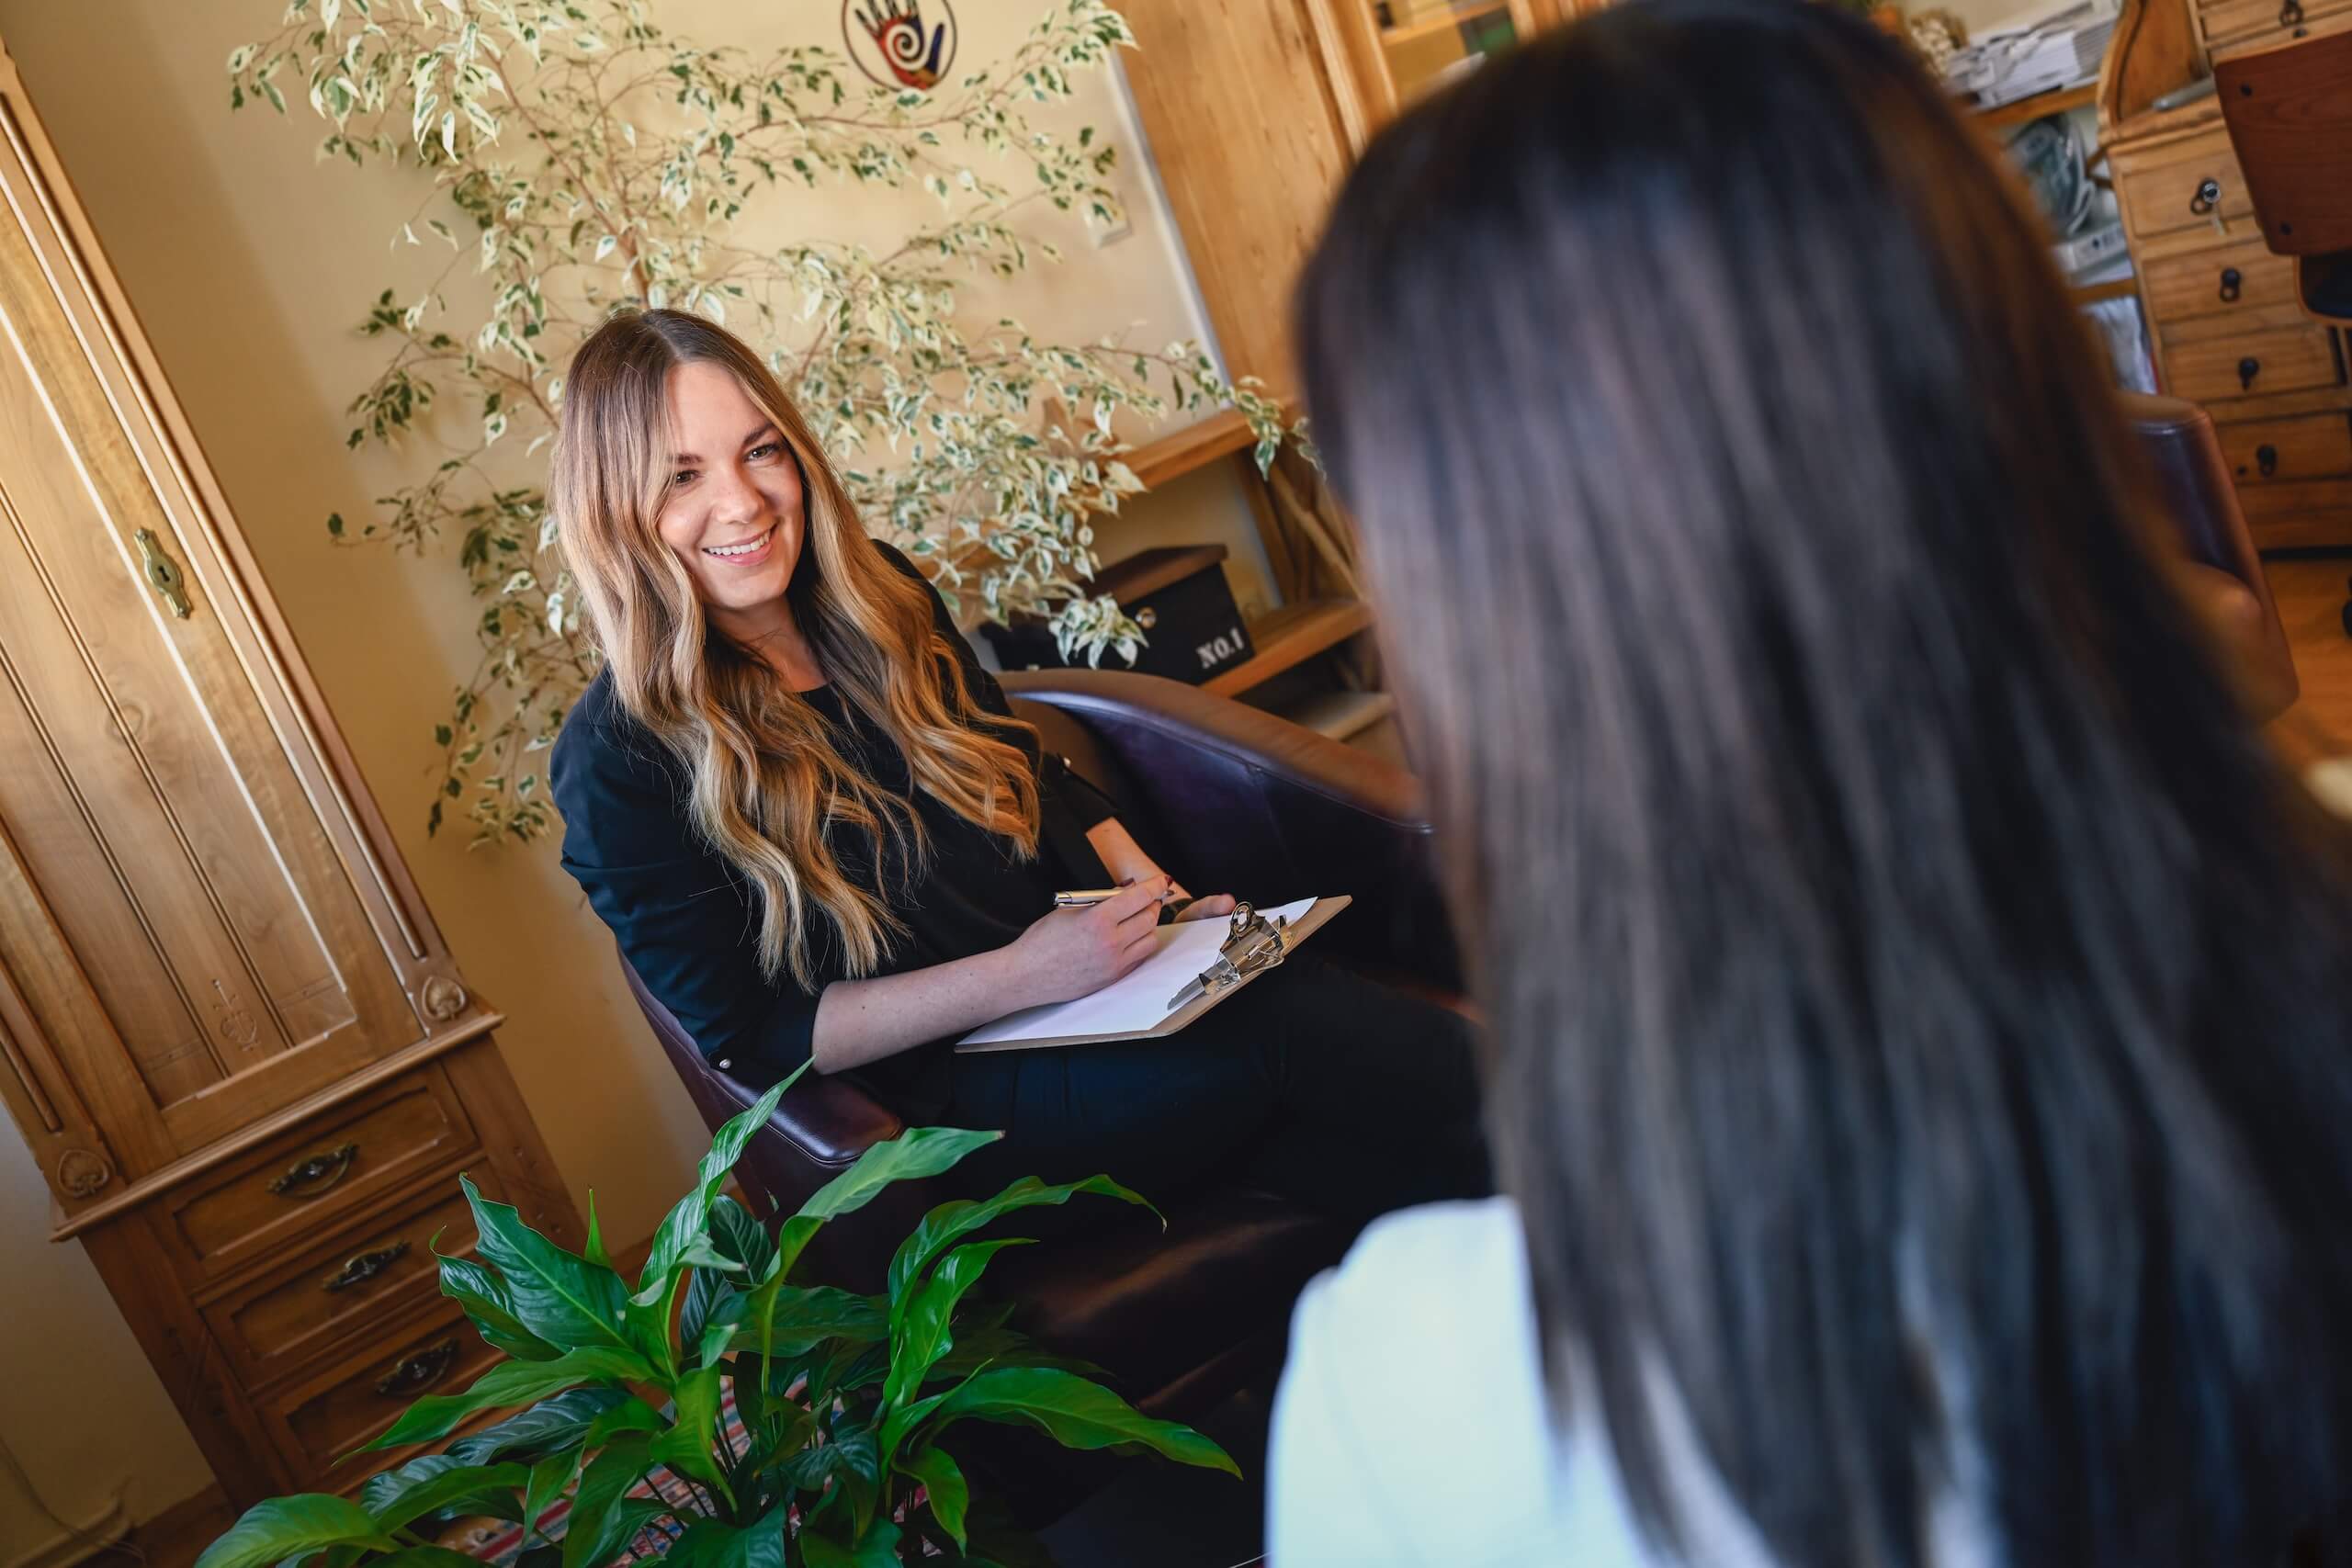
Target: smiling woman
{"x":819,"y":833}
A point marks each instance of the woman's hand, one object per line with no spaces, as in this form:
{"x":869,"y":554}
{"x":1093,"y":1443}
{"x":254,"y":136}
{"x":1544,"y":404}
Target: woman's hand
{"x":1070,"y":952}
{"x":1129,"y":866}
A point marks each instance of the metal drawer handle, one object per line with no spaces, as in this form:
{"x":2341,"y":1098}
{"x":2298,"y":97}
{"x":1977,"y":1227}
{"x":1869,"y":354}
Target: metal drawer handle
{"x":316,"y":1174}
{"x":2248,"y":368}
{"x":359,"y":1269}
{"x":163,"y":573}
{"x":423,"y":1370}
{"x":2265,"y":457}
{"x":2208,"y":196}
{"x":2230,"y":281}
{"x":2290,"y":13}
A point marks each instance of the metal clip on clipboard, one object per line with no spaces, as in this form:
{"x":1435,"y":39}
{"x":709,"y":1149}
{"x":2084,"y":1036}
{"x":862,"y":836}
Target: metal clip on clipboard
{"x":1254,"y":945}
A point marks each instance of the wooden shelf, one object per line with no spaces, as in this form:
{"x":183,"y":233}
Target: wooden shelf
{"x":1429,"y":27}
{"x":1340,"y":715}
{"x":1290,"y":637}
{"x":1195,"y":446}
{"x":2056,"y":101}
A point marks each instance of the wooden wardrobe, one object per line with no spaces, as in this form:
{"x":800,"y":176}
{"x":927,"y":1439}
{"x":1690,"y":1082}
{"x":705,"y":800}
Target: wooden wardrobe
{"x":242,"y":1057}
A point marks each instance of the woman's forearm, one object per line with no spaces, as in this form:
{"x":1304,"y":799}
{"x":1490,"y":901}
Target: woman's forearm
{"x":863,"y":1021}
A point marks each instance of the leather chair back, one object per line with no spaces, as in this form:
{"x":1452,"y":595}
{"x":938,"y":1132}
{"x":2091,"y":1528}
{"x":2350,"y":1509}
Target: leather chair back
{"x":2202,"y":502}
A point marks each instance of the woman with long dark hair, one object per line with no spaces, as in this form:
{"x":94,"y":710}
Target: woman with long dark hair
{"x":819,"y":834}
{"x":1921,"y":1007}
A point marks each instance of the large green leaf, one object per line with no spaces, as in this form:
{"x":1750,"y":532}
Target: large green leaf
{"x":458,"y":1484}
{"x":977,"y":1347}
{"x":593,"y":1251}
{"x":786,"y":1319}
{"x":774,"y":1445}
{"x":1077,"y":1414}
{"x":742,"y":1237}
{"x":710,"y":1544}
{"x":616,"y":1529}
{"x":565,"y":1300}
{"x":549,"y":1480}
{"x":595,"y":1532}
{"x":687,"y":1446}
{"x":631,"y":1414}
{"x":945,"y":1225}
{"x":688,"y":1219}
{"x":920,"y":1332}
{"x":943,"y":1480}
{"x":289,"y":1526}
{"x":917,"y":1153}
{"x":491,"y":1308}
{"x":527,"y":1435}
{"x":509,"y":1382}
{"x":877,"y":1549}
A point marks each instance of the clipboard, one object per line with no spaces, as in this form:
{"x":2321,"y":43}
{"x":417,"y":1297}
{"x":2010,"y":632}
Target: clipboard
{"x":1219,"y":965}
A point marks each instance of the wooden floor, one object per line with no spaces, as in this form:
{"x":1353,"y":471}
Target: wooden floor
{"x":2310,"y":602}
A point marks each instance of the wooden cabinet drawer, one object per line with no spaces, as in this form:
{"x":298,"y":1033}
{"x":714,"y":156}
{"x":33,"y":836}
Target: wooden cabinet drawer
{"x":331,"y":1294}
{"x":306,"y":1179}
{"x":2249,"y":27}
{"x":2163,"y":187}
{"x":2228,"y":280}
{"x":2284,"y":451}
{"x":319,"y":1421}
{"x":2283,"y":359}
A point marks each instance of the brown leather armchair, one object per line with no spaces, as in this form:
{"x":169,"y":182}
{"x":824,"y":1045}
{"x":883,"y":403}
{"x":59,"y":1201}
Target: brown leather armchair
{"x":2225,"y":581}
{"x":1230,"y":798}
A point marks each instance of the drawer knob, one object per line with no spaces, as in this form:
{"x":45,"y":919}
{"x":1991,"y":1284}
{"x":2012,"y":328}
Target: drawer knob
{"x":2248,"y":368}
{"x":423,"y":1370}
{"x":2290,"y":13}
{"x":2230,"y":281}
{"x":366,"y":1266}
{"x":2265,"y":457}
{"x":2208,"y":196}
{"x":316,"y":1175}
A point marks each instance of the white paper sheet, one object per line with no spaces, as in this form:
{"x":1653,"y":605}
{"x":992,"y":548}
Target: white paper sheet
{"x":1138,"y":1001}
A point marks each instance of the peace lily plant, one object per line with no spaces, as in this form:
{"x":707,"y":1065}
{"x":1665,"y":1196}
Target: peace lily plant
{"x":841,"y":1401}
{"x":582,"y":158}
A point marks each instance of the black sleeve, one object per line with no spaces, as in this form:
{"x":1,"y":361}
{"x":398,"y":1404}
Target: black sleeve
{"x":687,"y":925}
{"x":1056,"y":781}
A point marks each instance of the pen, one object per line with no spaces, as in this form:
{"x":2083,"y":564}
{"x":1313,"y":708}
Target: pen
{"x":1087,"y":897}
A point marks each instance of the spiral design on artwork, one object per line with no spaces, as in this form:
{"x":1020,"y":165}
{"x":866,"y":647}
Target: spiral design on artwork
{"x":901,"y":42}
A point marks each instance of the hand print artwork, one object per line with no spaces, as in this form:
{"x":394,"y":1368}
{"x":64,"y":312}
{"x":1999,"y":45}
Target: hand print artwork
{"x":909,"y":56}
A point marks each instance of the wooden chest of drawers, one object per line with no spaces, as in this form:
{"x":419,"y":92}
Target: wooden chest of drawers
{"x":2221,"y":312}
{"x":237,"y":1047}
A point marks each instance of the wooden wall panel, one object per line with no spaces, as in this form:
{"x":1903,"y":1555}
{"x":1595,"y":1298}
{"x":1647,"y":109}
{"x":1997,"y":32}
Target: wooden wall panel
{"x":1248,"y":116}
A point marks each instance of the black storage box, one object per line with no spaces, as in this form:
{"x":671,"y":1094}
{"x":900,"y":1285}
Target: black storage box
{"x":1176,"y":593}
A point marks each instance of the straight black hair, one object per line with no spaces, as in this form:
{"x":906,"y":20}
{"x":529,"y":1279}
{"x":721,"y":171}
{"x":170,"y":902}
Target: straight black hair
{"x":1922,"y":1006}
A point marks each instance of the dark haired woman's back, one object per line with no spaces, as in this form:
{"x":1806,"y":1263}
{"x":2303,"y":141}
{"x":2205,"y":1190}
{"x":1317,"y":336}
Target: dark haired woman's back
{"x":1922,"y":1006}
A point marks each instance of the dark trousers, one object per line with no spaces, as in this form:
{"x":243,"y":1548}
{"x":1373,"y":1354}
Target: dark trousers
{"x":1314,"y":1084}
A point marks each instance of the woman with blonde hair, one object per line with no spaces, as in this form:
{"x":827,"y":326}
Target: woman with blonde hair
{"x":807,"y":814}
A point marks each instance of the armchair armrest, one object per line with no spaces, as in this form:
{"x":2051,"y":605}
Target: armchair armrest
{"x":1233,"y":799}
{"x":817,"y":1131}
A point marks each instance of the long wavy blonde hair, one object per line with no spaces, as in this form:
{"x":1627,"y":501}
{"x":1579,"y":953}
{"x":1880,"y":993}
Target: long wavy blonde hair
{"x":767,"y":780}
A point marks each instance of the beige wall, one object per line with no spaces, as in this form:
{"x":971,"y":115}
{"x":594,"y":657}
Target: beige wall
{"x":248,"y":261}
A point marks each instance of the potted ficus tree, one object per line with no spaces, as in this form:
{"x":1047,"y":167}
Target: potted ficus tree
{"x":833,"y":1456}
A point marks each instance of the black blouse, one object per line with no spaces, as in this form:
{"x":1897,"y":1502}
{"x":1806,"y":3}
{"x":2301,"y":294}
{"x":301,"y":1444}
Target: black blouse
{"x":690,"y":926}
